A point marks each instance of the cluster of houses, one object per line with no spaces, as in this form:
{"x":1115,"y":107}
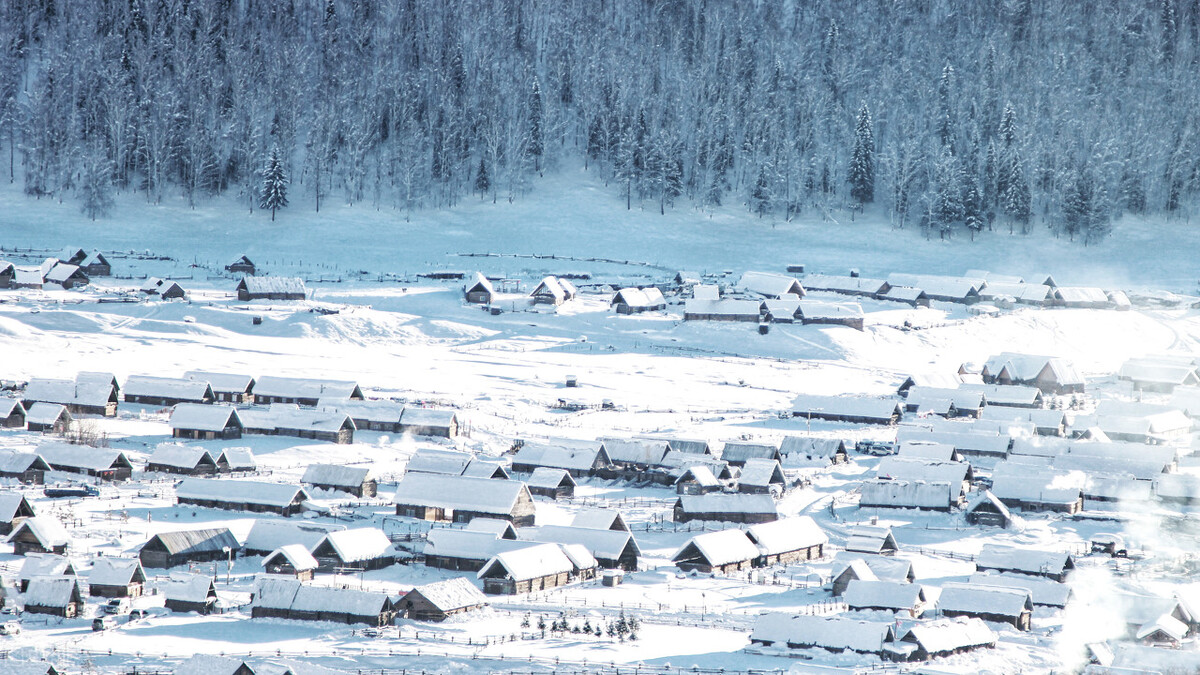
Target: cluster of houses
{"x":70,"y":268}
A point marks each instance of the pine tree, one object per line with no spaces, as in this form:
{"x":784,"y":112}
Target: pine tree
{"x":972,"y":201}
{"x":861,"y":173}
{"x":96,"y":187}
{"x":536,"y":147}
{"x":274,"y":186}
{"x":761,"y":195}
{"x":946,"y":207}
{"x":483,"y":182}
{"x":1017,"y":200}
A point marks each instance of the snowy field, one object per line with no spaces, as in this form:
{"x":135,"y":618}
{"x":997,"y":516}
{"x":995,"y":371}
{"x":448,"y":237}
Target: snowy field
{"x":411,"y":338}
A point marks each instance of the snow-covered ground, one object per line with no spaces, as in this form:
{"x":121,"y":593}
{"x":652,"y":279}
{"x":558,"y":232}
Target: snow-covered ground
{"x":406,"y":337}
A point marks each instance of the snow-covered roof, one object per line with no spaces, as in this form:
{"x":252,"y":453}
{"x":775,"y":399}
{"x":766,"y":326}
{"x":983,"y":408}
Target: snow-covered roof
{"x":273,"y":592}
{"x":372,"y":410}
{"x":938,"y":285}
{"x":44,"y":564}
{"x":488,"y":468}
{"x":1006,"y":394}
{"x":460,"y":493}
{"x":67,"y":392}
{"x":268,"y":535}
{"x":829,"y":311}
{"x":167,"y":387}
{"x":273,"y":285}
{"x":291,"y":417}
{"x":1178,"y":486}
{"x":870,"y":539}
{"x":634,"y":450}
{"x":358,"y":545}
{"x":906,"y":494}
{"x":706,"y":292}
{"x":789,"y":308}
{"x":915,"y":468}
{"x":844,"y":284}
{"x":904,"y":293}
{"x":963,"y":399}
{"x":45,"y":413}
{"x":702,"y":475}
{"x":82,"y":457}
{"x":1011,"y":481}
{"x":943,"y":636}
{"x":240,"y":491}
{"x":828,"y":632}
{"x":1027,"y":367}
{"x":335,"y":474}
{"x":1042,"y":418}
{"x":496,"y":526}
{"x":61,"y":272}
{"x":429,"y":460}
{"x":472,"y":545}
{"x":1044,"y":591}
{"x":1165,"y":624}
{"x":27,"y":276}
{"x":238,"y":459}
{"x":341,"y":600}
{"x":187,"y":587}
{"x":728,"y":503}
{"x":115,"y":571}
{"x":718,"y":548}
{"x":810,"y":446}
{"x":1154,"y":372}
{"x":1081,"y":294}
{"x":52,"y":591}
{"x":608,"y":544}
{"x":986,"y":498}
{"x":990,"y":442}
{"x":894,"y":595}
{"x":739,"y":451}
{"x":649,"y":297}
{"x":559,"y":289}
{"x":761,"y":473}
{"x":747,"y":309}
{"x":845,"y":406}
{"x":427,"y":417}
{"x":10,"y":505}
{"x":529,"y":562}
{"x":786,"y":534}
{"x":295,"y":555}
{"x":209,"y":664}
{"x":196,"y":540}
{"x":304,"y":387}
{"x":770,"y":284}
{"x":20,"y":462}
{"x":181,"y":456}
{"x":558,"y":456}
{"x":9,"y":405}
{"x":222,"y":382}
{"x":599,"y":519}
{"x":1027,"y":560}
{"x":480,"y":283}
{"x":881,"y":566}
{"x":452,"y":594}
{"x":966,"y":597}
{"x":1027,"y":293}
{"x":544,"y":477}
{"x":203,"y":417}
{"x":928,"y":451}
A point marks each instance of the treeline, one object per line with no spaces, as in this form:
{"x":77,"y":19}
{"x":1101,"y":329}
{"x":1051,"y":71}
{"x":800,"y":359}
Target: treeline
{"x":950,"y":116}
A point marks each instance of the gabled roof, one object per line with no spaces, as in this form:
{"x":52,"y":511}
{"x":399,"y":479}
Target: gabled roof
{"x":188,"y":588}
{"x":845,"y":406}
{"x":761,"y":473}
{"x":451,"y":594}
{"x":64,"y":271}
{"x":116,"y":572}
{"x":559,"y":456}
{"x":1027,"y":560}
{"x":446,"y":462}
{"x":372,"y":410}
{"x":346,"y":601}
{"x":648,"y":297}
{"x":699,"y":473}
{"x":864,"y":594}
{"x":724,"y":307}
{"x":1044,"y":591}
{"x":337,"y":475}
{"x":52,"y":591}
{"x":8,"y":405}
{"x":268,"y":535}
{"x":290,"y":416}
{"x":740,"y":451}
{"x":844,"y":284}
{"x":460,"y":493}
{"x":529,"y":562}
{"x":635,"y":450}
{"x":811,"y":447}
{"x":728,"y":503}
{"x":500,"y":528}
{"x":718,"y":548}
{"x":609,"y":544}
{"x":881,"y":566}
{"x":204,"y":417}
{"x":480,"y":283}
{"x":357,"y":545}
{"x":195,"y":541}
{"x":1027,"y":367}
{"x":814,"y":310}
{"x":47,"y":530}
{"x":304,"y":387}
{"x":942,"y":636}
{"x":786,"y":534}
{"x":238,"y":459}
{"x":10,"y":505}
{"x":770,"y":285}
{"x":20,"y":462}
{"x":240,"y":491}
{"x":986,"y":498}
{"x":599,"y":519}
{"x":915,"y":468}
{"x":223,"y":382}
{"x":939,"y":285}
{"x":295,"y":555}
{"x":1008,"y":602}
{"x":560,"y":289}
{"x":45,"y":564}
{"x":68,"y":392}
{"x":1035,"y":484}
{"x":45,"y":413}
{"x":870,"y":539}
{"x":181,"y":456}
{"x":544,"y":477}
{"x":906,"y":494}
{"x":168,"y":387}
{"x":272,"y":285}
{"x":467,"y":544}
{"x":828,"y":632}
{"x":427,"y":417}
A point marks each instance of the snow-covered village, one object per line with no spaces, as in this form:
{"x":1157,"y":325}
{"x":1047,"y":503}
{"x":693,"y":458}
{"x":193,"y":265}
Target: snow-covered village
{"x":599,"y":337}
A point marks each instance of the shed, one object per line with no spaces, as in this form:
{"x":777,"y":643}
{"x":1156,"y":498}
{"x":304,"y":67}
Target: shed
{"x":7,"y":272}
{"x":48,"y":418}
{"x":984,"y":508}
{"x":600,"y":519}
{"x":364,"y":548}
{"x":226,"y":387}
{"x":169,"y":549}
{"x":831,"y":314}
{"x":787,"y":541}
{"x":480,"y":290}
{"x":963,"y":290}
{"x":990,"y":603}
{"x":1158,"y":376}
{"x":116,"y":578}
{"x":636,"y":300}
{"x":738,"y":452}
{"x":442,"y":599}
{"x":293,"y":560}
{"x":872,"y":539}
{"x":357,"y":481}
{"x":189,"y":593}
{"x":528,"y":569}
{"x":165,"y":391}
{"x":288,"y":419}
{"x":242,"y":495}
{"x":39,"y":534}
{"x":181,"y":459}
{"x":57,"y":596}
{"x":697,"y":480}
{"x":205,"y":422}
{"x":271,"y":288}
{"x":236,"y":459}
{"x":553,"y":291}
{"x":734,"y":508}
{"x":459,"y":499}
{"x":1081,"y":297}
{"x":723,"y":551}
{"x":242,"y":265}
{"x":552,"y":483}
{"x":12,"y":414}
{"x":749,"y":311}
{"x":26,"y":467}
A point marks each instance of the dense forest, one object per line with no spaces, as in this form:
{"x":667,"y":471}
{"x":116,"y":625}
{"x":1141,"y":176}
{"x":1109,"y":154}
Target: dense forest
{"x":950,"y":116}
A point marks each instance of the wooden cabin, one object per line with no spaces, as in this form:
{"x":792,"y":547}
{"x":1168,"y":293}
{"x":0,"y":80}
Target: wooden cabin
{"x":226,"y":387}
{"x":166,"y":391}
{"x":990,"y":603}
{"x":732,"y":508}
{"x":552,"y":483}
{"x":441,"y":600}
{"x":293,"y":560}
{"x":532,"y":568}
{"x":241,"y":265}
{"x":182,"y":459}
{"x":56,"y":596}
{"x":99,"y":463}
{"x":460,"y":499}
{"x":357,"y":481}
{"x":365,"y":548}
{"x":271,"y":288}
{"x":722,"y":552}
{"x":170,"y":549}
{"x":189,"y":593}
{"x":12,"y":414}
{"x":787,"y":541}
{"x":39,"y":534}
{"x":242,"y":495}
{"x":48,"y":418}
{"x":116,"y":578}
{"x":14,"y":508}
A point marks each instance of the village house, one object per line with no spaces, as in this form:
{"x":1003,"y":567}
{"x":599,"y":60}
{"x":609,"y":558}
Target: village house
{"x":961,"y":290}
{"x":697,"y":480}
{"x":441,"y":600}
{"x":242,"y":495}
{"x":906,"y":294}
{"x":925,"y":640}
{"x":368,"y":414}
{"x":552,"y":483}
{"x":612,"y":549}
{"x":846,"y":285}
{"x":226,"y":387}
{"x":947,"y":402}
{"x":833,"y":633}
{"x":236,"y":460}
{"x":12,"y":414}
{"x":1037,"y":488}
{"x":454,"y":463}
{"x":956,"y":478}
{"x":163,"y":288}
{"x":1046,"y":422}
{"x":429,"y":422}
{"x":189,"y":593}
{"x":480,"y":291}
{"x":365,"y":548}
{"x":65,"y":276}
{"x":94,"y":264}
{"x":798,"y":451}
{"x":181,"y":459}
{"x":27,"y":277}
{"x":241,"y":265}
{"x":459,"y":499}
{"x":990,"y":603}
{"x":97,"y":462}
{"x":84,"y":396}
{"x":271,"y":288}
{"x":813,"y":312}
{"x":733,"y":508}
{"x":761,"y":476}
{"x":637,"y":300}
{"x":674,"y":463}
{"x":293,"y":560}
{"x":288,"y":419}
{"x":43,"y":565}
{"x":205,"y":422}
{"x":787,"y":541}
{"x":871,"y":539}
{"x":1158,"y":375}
{"x":968,"y":444}
{"x":1081,"y":297}
{"x":905,"y":494}
{"x":170,"y":549}
{"x":303,"y":391}
{"x":357,"y":481}
{"x":266,"y":535}
{"x":1044,"y":591}
{"x":1049,"y":374}
{"x":57,"y":596}
{"x":116,"y":578}
{"x":984,"y":508}
{"x":39,"y":534}
{"x":600,"y":519}
{"x":166,"y":391}
{"x":850,"y":566}
{"x":928,"y":451}
{"x":770,"y":285}
{"x":14,"y":508}
{"x":724,"y":309}
{"x":48,"y":418}
{"x":7,"y":272}
{"x":737,"y":453}
{"x":26,"y":467}
{"x":524,"y":570}
{"x":722,"y":552}
{"x":578,"y":458}
{"x":466,"y":549}
{"x":889,"y":596}
{"x":847,"y":409}
{"x":1050,"y":564}
{"x":1008,"y":294}
{"x":290,"y":599}
{"x":553,"y":291}
{"x":633,"y":455}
